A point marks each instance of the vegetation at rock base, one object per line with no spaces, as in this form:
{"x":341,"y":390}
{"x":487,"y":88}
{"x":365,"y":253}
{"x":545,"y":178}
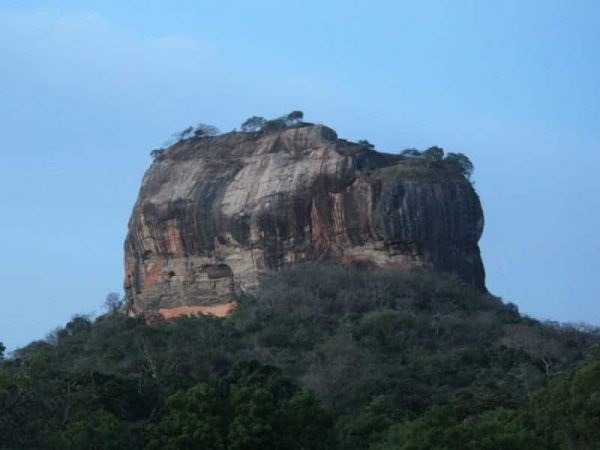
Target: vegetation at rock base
{"x":323,"y":356}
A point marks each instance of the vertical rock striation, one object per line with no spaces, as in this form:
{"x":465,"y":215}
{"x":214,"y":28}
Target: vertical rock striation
{"x":215,"y":213}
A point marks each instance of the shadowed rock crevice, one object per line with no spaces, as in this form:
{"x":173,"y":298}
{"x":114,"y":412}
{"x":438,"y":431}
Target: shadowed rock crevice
{"x":213,"y":214}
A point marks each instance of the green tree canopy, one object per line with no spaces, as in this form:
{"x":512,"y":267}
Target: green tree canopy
{"x":461,"y":163}
{"x":195,"y":419}
{"x":366,"y":145}
{"x":205,"y":130}
{"x":253,"y":124}
{"x":294,"y":118}
{"x":258,"y":409}
{"x":433,"y":153}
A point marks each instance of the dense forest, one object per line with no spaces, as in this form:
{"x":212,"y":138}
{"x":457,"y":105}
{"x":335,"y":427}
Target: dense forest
{"x":320,"y":357}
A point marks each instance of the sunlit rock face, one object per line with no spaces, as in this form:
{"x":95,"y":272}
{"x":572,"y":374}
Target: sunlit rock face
{"x":213,"y":214}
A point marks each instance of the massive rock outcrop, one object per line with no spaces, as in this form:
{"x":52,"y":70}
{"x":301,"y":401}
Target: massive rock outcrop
{"x":215,"y":213}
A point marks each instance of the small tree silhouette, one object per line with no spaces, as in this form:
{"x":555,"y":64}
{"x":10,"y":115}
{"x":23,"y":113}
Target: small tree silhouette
{"x":366,"y":145}
{"x":205,"y":130}
{"x":294,"y":118}
{"x":461,"y":163}
{"x":434,"y":153}
{"x":254,"y":124}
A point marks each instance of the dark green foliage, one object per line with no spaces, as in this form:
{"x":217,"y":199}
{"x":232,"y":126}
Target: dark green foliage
{"x":564,"y":414}
{"x":349,"y":358}
{"x":460,"y":162}
{"x":267,"y":411}
{"x":274,"y":125}
{"x":433,"y":154}
{"x":444,"y":428}
{"x":294,"y":118}
{"x":255,"y":408}
{"x":366,"y":144}
{"x":157,"y":153}
{"x":183,"y":134}
{"x":100,"y":430}
{"x":205,"y":130}
{"x":201,"y":130}
{"x":358,"y":430}
{"x":253,"y":124}
{"x":195,"y":419}
{"x":567,"y":410}
{"x":434,"y":157}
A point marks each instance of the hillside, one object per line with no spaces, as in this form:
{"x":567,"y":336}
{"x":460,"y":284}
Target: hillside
{"x":288,"y":289}
{"x":322,"y":356}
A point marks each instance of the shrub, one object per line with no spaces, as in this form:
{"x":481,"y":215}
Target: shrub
{"x":433,"y":153}
{"x":461,"y":163}
{"x":294,"y":118}
{"x":205,"y":130}
{"x":366,"y":145}
{"x":254,"y":124}
{"x":274,"y":125}
{"x":157,"y":153}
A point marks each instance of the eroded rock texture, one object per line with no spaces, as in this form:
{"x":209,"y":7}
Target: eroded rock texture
{"x":215,"y":213}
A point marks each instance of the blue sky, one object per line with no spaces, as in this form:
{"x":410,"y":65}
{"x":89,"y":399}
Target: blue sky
{"x":87,"y":89}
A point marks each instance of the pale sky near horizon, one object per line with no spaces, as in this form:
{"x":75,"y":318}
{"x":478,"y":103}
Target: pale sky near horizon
{"x":87,"y":89}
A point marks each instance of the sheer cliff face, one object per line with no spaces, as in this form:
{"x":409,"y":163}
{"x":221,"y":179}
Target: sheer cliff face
{"x":213,"y":214}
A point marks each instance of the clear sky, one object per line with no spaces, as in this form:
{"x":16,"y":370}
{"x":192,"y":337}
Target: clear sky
{"x":87,"y":89}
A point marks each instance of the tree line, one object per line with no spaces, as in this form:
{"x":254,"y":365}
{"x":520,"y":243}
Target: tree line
{"x":254,"y":124}
{"x":322,"y":357}
{"x":458,"y":162}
